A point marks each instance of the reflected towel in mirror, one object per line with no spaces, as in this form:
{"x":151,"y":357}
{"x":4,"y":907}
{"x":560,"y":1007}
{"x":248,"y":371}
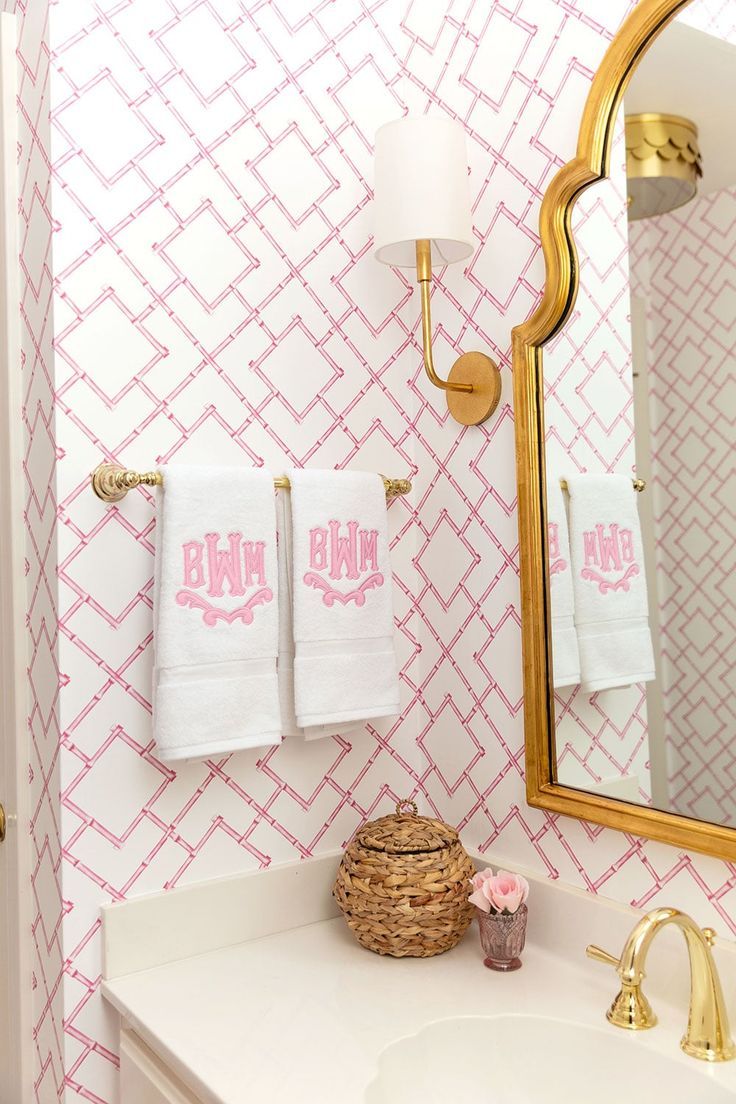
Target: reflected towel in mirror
{"x":565,"y":654}
{"x":611,"y":609}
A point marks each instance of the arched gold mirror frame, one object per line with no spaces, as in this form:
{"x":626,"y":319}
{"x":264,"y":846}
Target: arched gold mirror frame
{"x":590,"y":165}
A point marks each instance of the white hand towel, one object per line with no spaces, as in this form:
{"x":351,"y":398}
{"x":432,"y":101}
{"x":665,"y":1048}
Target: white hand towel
{"x":565,"y":654}
{"x":289,"y":727}
{"x":345,"y":666}
{"x":611,"y":611}
{"x":215,"y":613}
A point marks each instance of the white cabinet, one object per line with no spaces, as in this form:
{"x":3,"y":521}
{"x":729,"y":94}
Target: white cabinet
{"x":144,"y":1079}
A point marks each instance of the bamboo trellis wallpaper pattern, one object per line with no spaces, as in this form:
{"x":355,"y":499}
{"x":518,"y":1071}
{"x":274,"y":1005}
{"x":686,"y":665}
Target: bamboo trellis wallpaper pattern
{"x":210,"y":227}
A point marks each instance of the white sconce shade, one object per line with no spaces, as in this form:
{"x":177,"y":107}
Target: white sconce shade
{"x":421,"y":191}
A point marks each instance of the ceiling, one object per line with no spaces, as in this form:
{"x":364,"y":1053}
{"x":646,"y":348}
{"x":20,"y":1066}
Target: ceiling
{"x":687,"y":72}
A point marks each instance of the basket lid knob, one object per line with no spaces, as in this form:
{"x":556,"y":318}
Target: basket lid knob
{"x":406,"y":806}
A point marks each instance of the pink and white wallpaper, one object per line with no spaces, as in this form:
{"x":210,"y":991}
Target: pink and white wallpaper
{"x":207,"y":180}
{"x":686,"y":266}
{"x":44,"y":684}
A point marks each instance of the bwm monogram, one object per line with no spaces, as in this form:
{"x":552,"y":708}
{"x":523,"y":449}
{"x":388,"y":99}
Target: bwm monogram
{"x":556,"y":563}
{"x":609,"y":549}
{"x":209,"y":570}
{"x":338,"y":551}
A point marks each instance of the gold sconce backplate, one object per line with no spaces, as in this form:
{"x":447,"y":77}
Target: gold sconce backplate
{"x":483,"y":375}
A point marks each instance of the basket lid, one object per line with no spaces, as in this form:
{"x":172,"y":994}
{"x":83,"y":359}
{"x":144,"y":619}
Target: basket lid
{"x":405,"y":831}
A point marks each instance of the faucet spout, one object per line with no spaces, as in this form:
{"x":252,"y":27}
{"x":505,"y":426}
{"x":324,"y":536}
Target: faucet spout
{"x":708,"y":1035}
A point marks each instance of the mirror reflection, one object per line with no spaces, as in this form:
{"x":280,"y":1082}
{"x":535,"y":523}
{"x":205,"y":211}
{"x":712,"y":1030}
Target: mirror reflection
{"x":640,"y":409}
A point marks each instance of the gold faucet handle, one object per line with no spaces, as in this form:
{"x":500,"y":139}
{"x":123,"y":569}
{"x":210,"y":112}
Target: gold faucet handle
{"x":630,"y":1007}
{"x":601,"y":956}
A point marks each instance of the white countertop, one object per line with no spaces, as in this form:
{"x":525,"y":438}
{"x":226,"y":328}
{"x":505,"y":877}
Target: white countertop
{"x":301,"y":1016}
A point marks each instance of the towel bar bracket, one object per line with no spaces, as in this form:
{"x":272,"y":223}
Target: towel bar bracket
{"x":111,"y":483}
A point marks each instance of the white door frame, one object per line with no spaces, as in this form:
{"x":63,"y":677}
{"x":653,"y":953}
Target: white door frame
{"x":15,"y":854}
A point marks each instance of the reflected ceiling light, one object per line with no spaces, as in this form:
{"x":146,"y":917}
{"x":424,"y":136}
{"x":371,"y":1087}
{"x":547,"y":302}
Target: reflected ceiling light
{"x":663,"y":163}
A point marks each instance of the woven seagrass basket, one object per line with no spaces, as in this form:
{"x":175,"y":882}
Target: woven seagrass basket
{"x":403,"y":885}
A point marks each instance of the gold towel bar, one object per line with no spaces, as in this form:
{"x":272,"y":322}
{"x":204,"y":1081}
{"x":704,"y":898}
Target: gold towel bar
{"x":638,"y":485}
{"x":110,"y":482}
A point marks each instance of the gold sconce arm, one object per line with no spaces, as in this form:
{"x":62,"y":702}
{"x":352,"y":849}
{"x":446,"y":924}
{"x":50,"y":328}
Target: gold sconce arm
{"x":424,"y":279}
{"x":474,"y":385}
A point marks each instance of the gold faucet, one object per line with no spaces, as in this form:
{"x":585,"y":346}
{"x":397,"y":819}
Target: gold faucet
{"x":708,"y":1035}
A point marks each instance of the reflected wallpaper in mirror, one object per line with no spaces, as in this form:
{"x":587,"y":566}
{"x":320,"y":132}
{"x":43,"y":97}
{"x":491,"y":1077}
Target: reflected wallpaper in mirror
{"x":641,"y":383}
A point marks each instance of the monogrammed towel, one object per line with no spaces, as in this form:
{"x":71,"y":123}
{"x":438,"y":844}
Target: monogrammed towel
{"x":289,"y":727}
{"x":215,"y":613}
{"x":344,"y":665}
{"x":611,"y":610}
{"x":565,"y":654}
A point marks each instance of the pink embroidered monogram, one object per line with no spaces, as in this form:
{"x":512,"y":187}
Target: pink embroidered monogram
{"x":609,"y":551}
{"x":352,"y":554}
{"x":240,"y":566}
{"x":556,"y":563}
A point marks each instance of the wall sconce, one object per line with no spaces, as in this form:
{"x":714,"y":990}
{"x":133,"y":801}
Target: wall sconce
{"x":422,"y":208}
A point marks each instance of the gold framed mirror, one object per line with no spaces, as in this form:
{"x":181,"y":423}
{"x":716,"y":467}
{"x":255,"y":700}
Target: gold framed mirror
{"x":602,"y":115}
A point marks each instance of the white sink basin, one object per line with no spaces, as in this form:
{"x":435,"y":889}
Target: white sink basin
{"x":520,"y":1059}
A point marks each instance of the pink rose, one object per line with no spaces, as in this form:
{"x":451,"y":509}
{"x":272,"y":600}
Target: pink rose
{"x":502,"y":892}
{"x":508,"y":891}
{"x":478,"y":897}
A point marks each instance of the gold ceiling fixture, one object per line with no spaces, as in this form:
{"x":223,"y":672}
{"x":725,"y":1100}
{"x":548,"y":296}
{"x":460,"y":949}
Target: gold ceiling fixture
{"x":663,"y":163}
